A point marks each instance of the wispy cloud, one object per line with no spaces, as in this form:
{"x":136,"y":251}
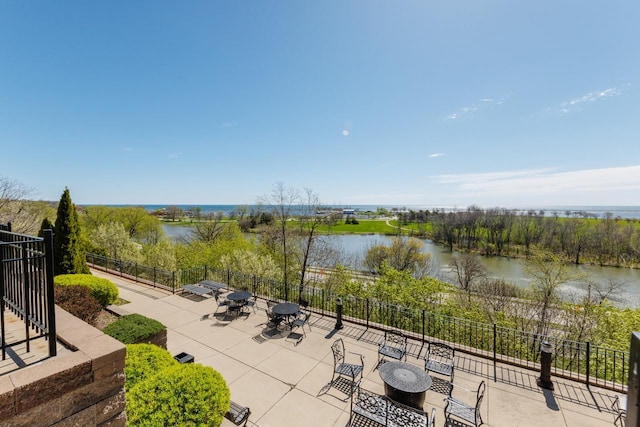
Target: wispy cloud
{"x":175,"y":155}
{"x":471,"y":110}
{"x":561,"y":185}
{"x":228,"y":125}
{"x":576,"y":104}
{"x":434,"y":155}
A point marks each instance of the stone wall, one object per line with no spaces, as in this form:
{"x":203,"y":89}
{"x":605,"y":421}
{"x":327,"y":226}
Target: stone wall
{"x":82,"y":387}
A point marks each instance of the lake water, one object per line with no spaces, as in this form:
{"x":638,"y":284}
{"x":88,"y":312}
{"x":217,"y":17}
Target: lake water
{"x":354,"y":248}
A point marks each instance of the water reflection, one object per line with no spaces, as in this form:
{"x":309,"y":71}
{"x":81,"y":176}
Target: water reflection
{"x":512,"y":270}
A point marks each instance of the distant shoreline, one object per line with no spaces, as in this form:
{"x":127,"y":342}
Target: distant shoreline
{"x":596,"y":211}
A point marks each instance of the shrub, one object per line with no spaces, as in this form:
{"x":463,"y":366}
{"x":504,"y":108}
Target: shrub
{"x":185,"y":394}
{"x":143,"y":360}
{"x":133,"y":328}
{"x":78,"y":301}
{"x":102,"y":289}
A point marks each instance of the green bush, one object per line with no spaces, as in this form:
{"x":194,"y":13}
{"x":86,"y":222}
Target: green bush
{"x":102,"y":289}
{"x":143,"y":360}
{"x":133,"y":328}
{"x":183,"y":395}
{"x":78,"y":301}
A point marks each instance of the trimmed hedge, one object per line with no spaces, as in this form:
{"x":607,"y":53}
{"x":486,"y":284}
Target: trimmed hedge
{"x":183,"y":395}
{"x":102,"y":289}
{"x":133,"y":328}
{"x":78,"y":301}
{"x":144,"y":360}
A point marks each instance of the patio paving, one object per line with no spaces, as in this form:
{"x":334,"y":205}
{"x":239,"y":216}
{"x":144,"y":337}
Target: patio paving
{"x":286,"y":384}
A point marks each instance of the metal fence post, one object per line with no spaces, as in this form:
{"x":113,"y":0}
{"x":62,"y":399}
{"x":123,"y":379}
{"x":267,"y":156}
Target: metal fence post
{"x":51,"y":304}
{"x":367,"y":316}
{"x":588,"y":363}
{"x":495,"y":374}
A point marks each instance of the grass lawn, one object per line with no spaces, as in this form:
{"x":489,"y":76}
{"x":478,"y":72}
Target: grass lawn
{"x":364,"y":226}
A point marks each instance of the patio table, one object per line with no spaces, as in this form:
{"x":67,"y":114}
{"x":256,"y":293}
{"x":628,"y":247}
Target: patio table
{"x":286,"y":309}
{"x":239,"y":298}
{"x":405,"y":383}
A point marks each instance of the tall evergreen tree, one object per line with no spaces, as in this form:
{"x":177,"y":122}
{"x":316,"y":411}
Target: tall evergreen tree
{"x":68,"y":256}
{"x":46,"y":225}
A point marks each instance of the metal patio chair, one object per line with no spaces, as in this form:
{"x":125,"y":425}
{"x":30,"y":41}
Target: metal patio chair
{"x":273,"y":320}
{"x":220,"y":302}
{"x":343,"y":369}
{"x":463,"y":411}
{"x":440,"y":358}
{"x":394,"y":345}
{"x":619,"y":411}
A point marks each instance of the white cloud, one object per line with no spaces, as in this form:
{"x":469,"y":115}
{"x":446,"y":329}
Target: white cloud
{"x":469,"y":111}
{"x":615,"y":185}
{"x":434,"y":155}
{"x":576,"y":104}
{"x":228,"y":125}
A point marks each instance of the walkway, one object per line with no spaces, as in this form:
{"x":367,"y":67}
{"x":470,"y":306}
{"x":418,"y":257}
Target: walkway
{"x":285,"y":384}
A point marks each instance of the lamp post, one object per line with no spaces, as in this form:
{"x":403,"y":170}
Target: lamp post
{"x":546,"y":352}
{"x":338,"y":314}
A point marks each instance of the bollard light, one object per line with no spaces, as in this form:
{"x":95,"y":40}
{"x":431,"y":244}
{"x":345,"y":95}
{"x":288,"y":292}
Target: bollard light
{"x":338,"y":314}
{"x":546,"y":353}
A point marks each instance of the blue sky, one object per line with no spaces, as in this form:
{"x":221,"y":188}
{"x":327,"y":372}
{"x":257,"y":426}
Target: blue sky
{"x":408,"y":103}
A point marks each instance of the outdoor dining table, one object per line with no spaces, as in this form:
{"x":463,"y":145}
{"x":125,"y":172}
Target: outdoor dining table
{"x":239,"y":298}
{"x":405,"y":383}
{"x":286,"y":309}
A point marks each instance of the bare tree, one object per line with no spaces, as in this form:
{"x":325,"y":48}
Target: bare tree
{"x":207,"y":231}
{"x":548,"y":274}
{"x":467,"y":270}
{"x":282,"y":201}
{"x":497,"y":296}
{"x":174,"y":212}
{"x":24,"y":215}
{"x":308,"y":224}
{"x":11,"y":192}
{"x":609,"y":289}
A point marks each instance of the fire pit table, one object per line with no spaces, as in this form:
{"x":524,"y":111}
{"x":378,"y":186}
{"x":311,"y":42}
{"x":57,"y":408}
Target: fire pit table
{"x":405,"y":383}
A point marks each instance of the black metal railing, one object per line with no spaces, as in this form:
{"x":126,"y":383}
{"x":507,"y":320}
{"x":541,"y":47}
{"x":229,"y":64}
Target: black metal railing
{"x":580,"y":361}
{"x":26,"y":287}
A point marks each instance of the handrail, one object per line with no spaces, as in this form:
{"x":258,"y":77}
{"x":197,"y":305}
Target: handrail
{"x":575,"y":360}
{"x":26,"y":287}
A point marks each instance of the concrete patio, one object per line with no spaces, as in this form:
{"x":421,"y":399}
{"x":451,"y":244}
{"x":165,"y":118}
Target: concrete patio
{"x":286,"y":384}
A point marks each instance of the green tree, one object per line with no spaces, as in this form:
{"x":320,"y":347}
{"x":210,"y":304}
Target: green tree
{"x":68,"y":255}
{"x":115,"y":240}
{"x":162,"y":255}
{"x":404,"y":254}
{"x":247,"y":262}
{"x":46,"y":225}
{"x":141,"y":226}
{"x":197,"y":253}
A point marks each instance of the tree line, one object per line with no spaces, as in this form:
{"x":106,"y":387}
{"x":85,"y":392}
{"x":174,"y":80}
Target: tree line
{"x":577,"y":236}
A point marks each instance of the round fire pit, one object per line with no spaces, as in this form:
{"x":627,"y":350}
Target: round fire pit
{"x":405,"y":383}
